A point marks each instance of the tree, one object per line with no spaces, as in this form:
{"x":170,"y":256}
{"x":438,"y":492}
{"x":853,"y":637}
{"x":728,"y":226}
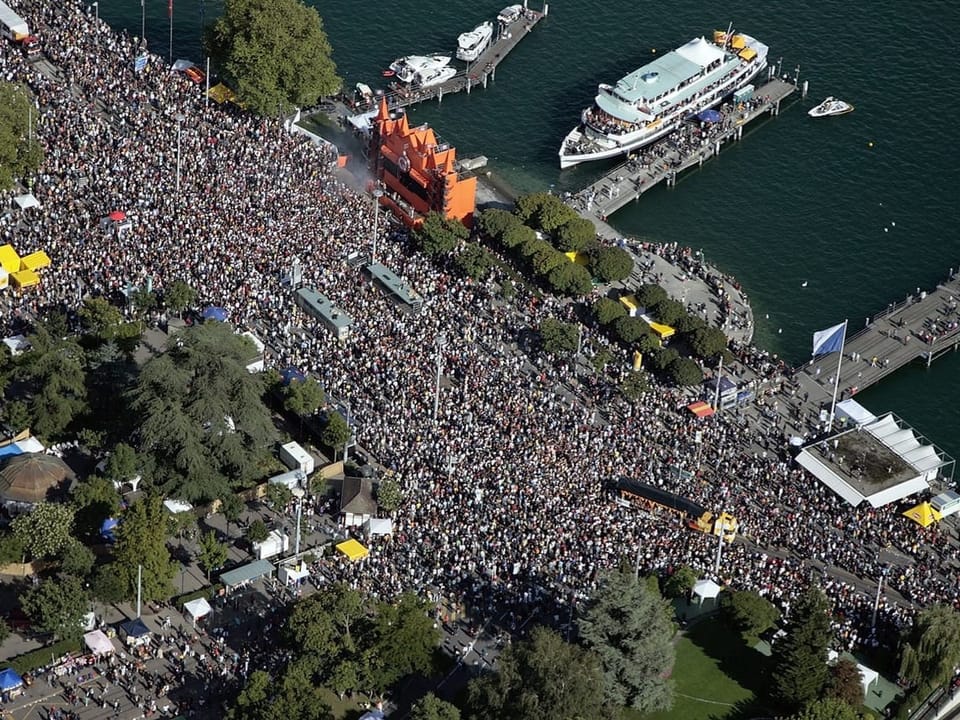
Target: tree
{"x":554,"y":214}
{"x":278,"y":495}
{"x":688,"y":323}
{"x":389,"y":494}
{"x":650,"y":295}
{"x":680,"y":583}
{"x":547,"y":259}
{"x":626,"y":626}
{"x":495,"y":222}
{"x":750,"y":613}
{"x":630,"y":329}
{"x":77,"y":559}
{"x":475,"y":261}
{"x":846,"y":682}
{"x":122,"y":464}
{"x":527,"y":207}
{"x":57,"y":606}
{"x":212,"y":553}
{"x":336,"y":432}
{"x":232,"y":508}
{"x":606,"y":310}
{"x":611,"y":264}
{"x":430,"y":707}
{"x":321,"y":626}
{"x":56,"y":380}
{"x":12,"y":549}
{"x":274,"y":53}
{"x":5,"y":632}
{"x":559,"y":337}
{"x":668,"y":310}
{"x":21,"y":152}
{"x":661,"y":358}
{"x":517,"y":236}
{"x":576,"y":235}
{"x":684,"y":371}
{"x":99,"y":318}
{"x":405,"y":638}
{"x":708,"y":342}
{"x":634,"y":385}
{"x":141,"y":541}
{"x":143,"y":301}
{"x":799,"y":663}
{"x":544,"y":677}
{"x":303,"y":397}
{"x":257,"y":532}
{"x":439,"y":235}
{"x":107,"y":586}
{"x":253,"y":700}
{"x":45,"y":531}
{"x":932,"y":649}
{"x":178,"y":296}
{"x":202,"y":421}
{"x":827,"y":709}
{"x":570,"y":279}
{"x":16,"y":415}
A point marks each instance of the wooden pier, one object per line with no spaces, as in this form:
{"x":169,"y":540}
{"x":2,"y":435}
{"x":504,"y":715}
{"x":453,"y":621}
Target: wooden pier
{"x":634,"y":177}
{"x":477,"y":74}
{"x":922,"y":327}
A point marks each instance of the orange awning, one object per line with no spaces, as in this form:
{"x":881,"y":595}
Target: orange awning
{"x":700,"y":409}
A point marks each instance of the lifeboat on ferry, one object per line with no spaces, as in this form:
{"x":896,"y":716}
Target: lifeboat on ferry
{"x":388,"y":72}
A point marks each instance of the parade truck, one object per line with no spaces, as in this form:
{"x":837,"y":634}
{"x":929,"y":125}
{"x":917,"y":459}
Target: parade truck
{"x":12,"y":26}
{"x":634,"y":493}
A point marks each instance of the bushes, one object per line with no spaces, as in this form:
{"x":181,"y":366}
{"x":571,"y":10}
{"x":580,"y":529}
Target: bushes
{"x":28,"y":662}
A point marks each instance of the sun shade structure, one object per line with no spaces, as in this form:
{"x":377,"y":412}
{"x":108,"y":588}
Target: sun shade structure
{"x":700,"y":409}
{"x":98,"y":643}
{"x":215,"y":313}
{"x":198,"y":608}
{"x":353,"y":550}
{"x":30,"y":477}
{"x":706,"y":590}
{"x":9,"y":680}
{"x":923,"y":514}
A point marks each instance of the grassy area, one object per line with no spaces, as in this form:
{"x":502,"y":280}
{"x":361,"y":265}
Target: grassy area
{"x":716,"y":676}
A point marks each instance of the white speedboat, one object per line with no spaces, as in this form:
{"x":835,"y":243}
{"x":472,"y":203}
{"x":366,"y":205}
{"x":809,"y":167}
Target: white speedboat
{"x":413,"y":69}
{"x":510,"y":14}
{"x":830,"y":106}
{"x":437,"y":76}
{"x":471,"y":44}
{"x":654,"y":100}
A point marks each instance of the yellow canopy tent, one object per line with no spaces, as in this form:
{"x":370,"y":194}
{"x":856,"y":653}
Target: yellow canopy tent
{"x":35,"y":261}
{"x":578,"y":257}
{"x":220,"y":93}
{"x":9,"y":260}
{"x":25,"y":278}
{"x":663,"y":331}
{"x":738,"y":42}
{"x":923,"y":514}
{"x":631,"y":304}
{"x":353,"y":550}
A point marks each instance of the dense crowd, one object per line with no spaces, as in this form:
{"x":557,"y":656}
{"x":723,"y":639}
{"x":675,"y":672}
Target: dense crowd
{"x":508,"y":492}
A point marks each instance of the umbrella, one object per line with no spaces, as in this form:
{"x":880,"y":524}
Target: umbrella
{"x":117,"y":215}
{"x":291,"y":374}
{"x":30,"y":477}
{"x":107,"y":528}
{"x":215,"y":313}
{"x":710,"y":116}
{"x":10,"y":680}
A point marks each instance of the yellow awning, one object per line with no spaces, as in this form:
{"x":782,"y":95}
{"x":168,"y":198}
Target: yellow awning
{"x":25,"y":278}
{"x":748,"y":53}
{"x":9,"y":260}
{"x":353,"y":550}
{"x":923,"y":514}
{"x":35,"y":261}
{"x":220,"y":93}
{"x":630,"y":303}
{"x":739,"y":42}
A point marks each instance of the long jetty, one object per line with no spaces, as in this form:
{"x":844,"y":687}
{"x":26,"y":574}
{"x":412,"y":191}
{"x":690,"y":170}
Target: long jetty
{"x":478,"y":73}
{"x":922,"y":327}
{"x":631,"y":179}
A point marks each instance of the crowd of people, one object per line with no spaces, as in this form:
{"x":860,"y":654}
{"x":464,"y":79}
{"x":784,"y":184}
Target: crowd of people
{"x":508,"y":500}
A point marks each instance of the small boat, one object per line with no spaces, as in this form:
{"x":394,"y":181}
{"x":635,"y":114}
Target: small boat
{"x":829,"y":107}
{"x":388,"y":72}
{"x":471,"y":44}
{"x":510,"y":14}
{"x":423,"y":70}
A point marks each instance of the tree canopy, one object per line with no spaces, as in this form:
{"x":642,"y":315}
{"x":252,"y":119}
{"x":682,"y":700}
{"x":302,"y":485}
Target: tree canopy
{"x":932,"y":648}
{"x":826,"y":709}
{"x":559,"y":337}
{"x":749,"y":613}
{"x":799,"y":663}
{"x":274,"y":53}
{"x":141,"y":541}
{"x":610,"y":264}
{"x":57,"y":606}
{"x":202,"y":417}
{"x":20,"y":151}
{"x":439,"y":235}
{"x":45,"y":531}
{"x":626,"y":626}
{"x":429,"y":707}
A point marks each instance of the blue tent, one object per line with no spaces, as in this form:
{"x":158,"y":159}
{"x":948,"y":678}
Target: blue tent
{"x":291,"y":374}
{"x":215,"y":313}
{"x":9,"y":680}
{"x":107,"y":528}
{"x":135,"y":628}
{"x":710,"y":116}
{"x":11,"y":449}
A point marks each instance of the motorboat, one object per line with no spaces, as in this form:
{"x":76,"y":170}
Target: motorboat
{"x":829,"y":107}
{"x":510,"y":14}
{"x":471,"y":44}
{"x":421,"y":69}
{"x":654,"y":100}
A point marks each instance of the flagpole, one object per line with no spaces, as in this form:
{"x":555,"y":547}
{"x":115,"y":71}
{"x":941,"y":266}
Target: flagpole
{"x":836,"y":380}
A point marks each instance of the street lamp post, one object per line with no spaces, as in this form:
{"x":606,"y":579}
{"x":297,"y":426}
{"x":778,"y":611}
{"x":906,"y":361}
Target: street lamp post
{"x":377,"y":194}
{"x":441,"y":344}
{"x":143,"y":23}
{"x":876,"y":602}
{"x":298,"y":493}
{"x":180,"y":119}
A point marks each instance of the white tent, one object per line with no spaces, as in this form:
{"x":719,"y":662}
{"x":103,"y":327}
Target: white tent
{"x":26,"y":201}
{"x":30,"y":445}
{"x":98,"y":643}
{"x":197,"y":608}
{"x":17,"y":343}
{"x":706,"y":590}
{"x":378,"y":526}
{"x":856,"y":413}
{"x":177,"y":506}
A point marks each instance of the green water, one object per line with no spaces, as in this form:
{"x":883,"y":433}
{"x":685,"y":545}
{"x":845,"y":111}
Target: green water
{"x":798,"y":200}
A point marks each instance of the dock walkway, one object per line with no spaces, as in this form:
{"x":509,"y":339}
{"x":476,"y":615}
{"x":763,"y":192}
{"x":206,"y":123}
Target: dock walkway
{"x":924,"y":327}
{"x":478,"y":73}
{"x":666,"y":159}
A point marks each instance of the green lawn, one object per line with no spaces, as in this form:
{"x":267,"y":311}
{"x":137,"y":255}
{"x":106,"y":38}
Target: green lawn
{"x":713,"y":664}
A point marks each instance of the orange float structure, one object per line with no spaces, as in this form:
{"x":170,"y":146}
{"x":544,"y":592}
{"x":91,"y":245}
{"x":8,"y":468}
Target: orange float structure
{"x":418,"y":172}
